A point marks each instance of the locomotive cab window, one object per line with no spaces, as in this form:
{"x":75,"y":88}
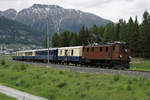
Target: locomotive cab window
{"x":106,"y":49}
{"x":92,"y":49}
{"x":101,"y":49}
{"x":84,"y":48}
{"x":87,"y":49}
{"x":113,"y":48}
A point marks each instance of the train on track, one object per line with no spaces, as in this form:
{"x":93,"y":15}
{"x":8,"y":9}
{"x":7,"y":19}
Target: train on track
{"x":111,"y":55}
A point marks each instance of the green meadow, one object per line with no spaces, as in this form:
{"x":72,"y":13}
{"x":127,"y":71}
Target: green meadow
{"x":66,"y":85}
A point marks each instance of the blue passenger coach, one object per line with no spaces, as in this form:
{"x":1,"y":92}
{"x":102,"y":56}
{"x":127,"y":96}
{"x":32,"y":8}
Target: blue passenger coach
{"x":42,"y":54}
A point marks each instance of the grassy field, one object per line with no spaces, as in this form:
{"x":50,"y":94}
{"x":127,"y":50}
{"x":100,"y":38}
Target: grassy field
{"x":140,"y":64}
{"x":63,"y":85}
{"x":4,"y":97}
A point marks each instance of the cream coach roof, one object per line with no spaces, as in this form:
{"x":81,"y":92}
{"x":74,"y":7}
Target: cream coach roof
{"x":35,"y":50}
{"x":46,"y":49}
{"x":25,"y":51}
{"x":75,"y":47}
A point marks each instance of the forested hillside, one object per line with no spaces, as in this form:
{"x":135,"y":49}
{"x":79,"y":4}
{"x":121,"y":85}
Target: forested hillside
{"x":138,"y":35}
{"x":12,"y":32}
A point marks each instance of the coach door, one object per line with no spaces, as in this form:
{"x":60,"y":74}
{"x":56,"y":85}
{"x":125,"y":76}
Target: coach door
{"x":66,"y":55}
{"x":109,"y":51}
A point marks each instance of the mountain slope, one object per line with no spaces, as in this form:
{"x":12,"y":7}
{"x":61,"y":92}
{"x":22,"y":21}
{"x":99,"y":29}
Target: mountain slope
{"x":12,"y":32}
{"x":60,"y":19}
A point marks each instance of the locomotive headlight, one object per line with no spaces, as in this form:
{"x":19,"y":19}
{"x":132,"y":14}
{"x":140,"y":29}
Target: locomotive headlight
{"x":126,"y":50}
{"x":120,"y":56}
{"x":130,"y":57}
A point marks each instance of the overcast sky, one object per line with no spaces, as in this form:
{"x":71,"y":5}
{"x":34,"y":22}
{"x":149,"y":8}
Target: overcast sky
{"x":109,"y":9}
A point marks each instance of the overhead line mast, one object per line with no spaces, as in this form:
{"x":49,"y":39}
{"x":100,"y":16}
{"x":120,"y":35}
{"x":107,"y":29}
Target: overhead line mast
{"x":47,"y":41}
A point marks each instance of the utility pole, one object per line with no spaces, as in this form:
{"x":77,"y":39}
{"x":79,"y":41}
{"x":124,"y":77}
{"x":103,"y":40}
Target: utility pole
{"x":47,"y":41}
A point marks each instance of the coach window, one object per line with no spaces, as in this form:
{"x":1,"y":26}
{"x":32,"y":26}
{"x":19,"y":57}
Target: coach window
{"x":87,"y":49}
{"x":101,"y":49}
{"x":66,"y":52}
{"x":72,"y":52}
{"x":106,"y":49}
{"x":60,"y":52}
{"x":113,"y":48}
{"x":92,"y":49}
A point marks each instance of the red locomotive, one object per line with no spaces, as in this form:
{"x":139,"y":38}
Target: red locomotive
{"x":111,"y":55}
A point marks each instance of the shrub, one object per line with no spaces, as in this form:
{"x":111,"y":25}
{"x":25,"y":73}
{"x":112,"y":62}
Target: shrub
{"x":129,"y":87}
{"x":116,"y":78}
{"x":77,"y":92}
{"x":37,"y":77}
{"x":129,"y":82}
{"x":51,"y":97}
{"x":78,"y":83}
{"x":20,"y":82}
{"x":62,"y":84}
{"x":61,"y":72}
{"x":23,"y":67}
{"x":45,"y":72}
{"x":3,"y":62}
{"x":82,"y":95}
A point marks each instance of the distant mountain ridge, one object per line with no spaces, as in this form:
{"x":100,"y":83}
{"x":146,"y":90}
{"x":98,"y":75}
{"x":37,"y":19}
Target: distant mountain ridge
{"x":60,"y":19}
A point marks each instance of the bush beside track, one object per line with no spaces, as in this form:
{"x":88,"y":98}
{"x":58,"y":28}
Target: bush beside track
{"x":66,"y":85}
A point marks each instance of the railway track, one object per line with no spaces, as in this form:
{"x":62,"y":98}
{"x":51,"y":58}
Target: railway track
{"x":135,"y":73}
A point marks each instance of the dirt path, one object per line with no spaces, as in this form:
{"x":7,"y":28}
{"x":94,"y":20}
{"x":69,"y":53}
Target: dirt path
{"x":19,"y":94}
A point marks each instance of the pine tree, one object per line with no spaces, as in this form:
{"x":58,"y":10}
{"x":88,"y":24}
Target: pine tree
{"x":64,"y":39}
{"x":130,"y":30}
{"x":73,"y":39}
{"x":135,"y":38}
{"x":96,"y":34}
{"x":55,"y":40}
{"x":109,"y":32}
{"x":123,"y":31}
{"x":82,"y":36}
{"x":145,"y":35}
{"x":117,"y":32}
{"x":101,"y":31}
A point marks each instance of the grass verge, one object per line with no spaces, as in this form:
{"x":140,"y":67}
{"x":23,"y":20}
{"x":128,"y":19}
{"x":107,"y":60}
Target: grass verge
{"x":140,"y":64}
{"x":64,"y":85}
{"x":5,"y":97}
